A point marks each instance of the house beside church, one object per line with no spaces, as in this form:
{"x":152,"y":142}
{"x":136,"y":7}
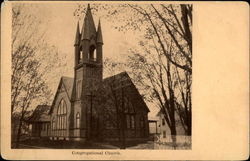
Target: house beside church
{"x":164,"y":133}
{"x":90,"y":107}
{"x":40,"y":122}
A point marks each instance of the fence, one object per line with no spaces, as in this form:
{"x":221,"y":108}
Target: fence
{"x":182,"y":142}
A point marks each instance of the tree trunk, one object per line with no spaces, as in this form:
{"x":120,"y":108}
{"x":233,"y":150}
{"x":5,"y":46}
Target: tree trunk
{"x":173,"y":135}
{"x":19,"y":133}
{"x":189,"y":129}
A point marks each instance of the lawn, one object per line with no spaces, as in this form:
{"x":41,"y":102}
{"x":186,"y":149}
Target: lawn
{"x":62,"y":144}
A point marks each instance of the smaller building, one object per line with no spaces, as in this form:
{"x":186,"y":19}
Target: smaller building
{"x":164,"y":133}
{"x":39,"y":122}
{"x":154,"y":125}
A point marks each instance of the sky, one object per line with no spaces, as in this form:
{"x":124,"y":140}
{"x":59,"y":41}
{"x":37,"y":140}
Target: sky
{"x":61,"y":28}
{"x":60,"y":25}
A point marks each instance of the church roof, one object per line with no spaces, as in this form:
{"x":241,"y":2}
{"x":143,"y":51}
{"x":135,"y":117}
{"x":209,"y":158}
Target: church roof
{"x":116,"y":77}
{"x":122,"y":80}
{"x":40,"y":114}
{"x":119,"y":80}
{"x":68,"y":83}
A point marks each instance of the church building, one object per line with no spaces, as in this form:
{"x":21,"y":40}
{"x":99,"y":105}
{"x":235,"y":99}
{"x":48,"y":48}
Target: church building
{"x":90,"y":107}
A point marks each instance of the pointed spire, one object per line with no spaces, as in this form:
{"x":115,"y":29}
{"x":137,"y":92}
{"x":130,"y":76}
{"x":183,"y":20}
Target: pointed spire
{"x":88,"y":7}
{"x":88,"y":28}
{"x":99,"y":33}
{"x":77,"y":39}
{"x":85,"y":29}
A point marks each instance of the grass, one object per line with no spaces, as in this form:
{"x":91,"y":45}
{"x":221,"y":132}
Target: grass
{"x":129,"y":143}
{"x":61,"y":144}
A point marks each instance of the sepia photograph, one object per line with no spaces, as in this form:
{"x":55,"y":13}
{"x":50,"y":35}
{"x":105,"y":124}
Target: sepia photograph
{"x":124,"y":80}
{"x":101,"y":76}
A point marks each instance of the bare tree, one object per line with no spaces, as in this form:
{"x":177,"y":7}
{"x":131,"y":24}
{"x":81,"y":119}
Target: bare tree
{"x":160,"y":80}
{"x":169,"y":28}
{"x":30,"y":65}
{"x":115,"y":93}
{"x":184,"y":104}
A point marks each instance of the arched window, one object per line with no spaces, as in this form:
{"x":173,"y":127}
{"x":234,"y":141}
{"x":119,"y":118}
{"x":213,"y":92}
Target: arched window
{"x":130,"y":114}
{"x":132,"y":121}
{"x":78,"y":120}
{"x":126,"y":105}
{"x":62,"y":115}
{"x":92,"y":53}
{"x":53,"y":124}
{"x":80,"y":56}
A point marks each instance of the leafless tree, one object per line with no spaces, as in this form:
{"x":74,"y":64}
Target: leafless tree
{"x":175,"y":53}
{"x":30,"y":64}
{"x":114,"y":96}
{"x":171,"y":25}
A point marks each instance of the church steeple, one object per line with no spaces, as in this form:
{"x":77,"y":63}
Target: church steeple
{"x":88,"y":28}
{"x":88,"y":48}
{"x":88,"y":70}
{"x":99,"y":33}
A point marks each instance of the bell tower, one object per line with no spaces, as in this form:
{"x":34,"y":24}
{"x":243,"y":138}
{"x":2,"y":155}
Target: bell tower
{"x":88,"y":70}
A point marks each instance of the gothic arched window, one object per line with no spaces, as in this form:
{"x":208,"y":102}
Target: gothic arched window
{"x":62,"y":115}
{"x":130,"y":114}
{"x":92,"y":53}
{"x":80,"y":56}
{"x":78,"y":120}
{"x":132,"y":117}
{"x":53,"y":124}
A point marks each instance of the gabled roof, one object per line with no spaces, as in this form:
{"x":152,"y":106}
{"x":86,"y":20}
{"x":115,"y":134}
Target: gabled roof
{"x":67,"y":83}
{"x":123,"y":80}
{"x":40,"y":114}
{"x":118,"y":80}
{"x":115,"y":78}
